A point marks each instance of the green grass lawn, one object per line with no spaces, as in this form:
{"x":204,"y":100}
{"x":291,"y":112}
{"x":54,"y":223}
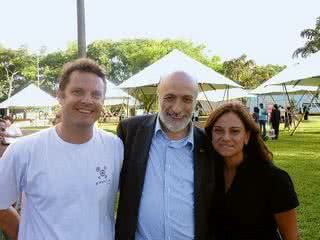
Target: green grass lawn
{"x":299,"y":155}
{"x":110,"y":127}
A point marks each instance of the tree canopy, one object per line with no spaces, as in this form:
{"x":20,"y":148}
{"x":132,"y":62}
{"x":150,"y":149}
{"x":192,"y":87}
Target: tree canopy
{"x":121,"y":59}
{"x":312,"y":44}
{"x":247,"y":73}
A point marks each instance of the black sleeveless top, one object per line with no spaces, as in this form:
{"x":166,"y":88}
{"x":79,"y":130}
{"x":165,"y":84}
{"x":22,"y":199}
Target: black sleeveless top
{"x":259,"y":190}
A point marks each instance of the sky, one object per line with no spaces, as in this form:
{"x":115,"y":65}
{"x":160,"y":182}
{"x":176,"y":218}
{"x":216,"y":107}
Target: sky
{"x":267,"y":31}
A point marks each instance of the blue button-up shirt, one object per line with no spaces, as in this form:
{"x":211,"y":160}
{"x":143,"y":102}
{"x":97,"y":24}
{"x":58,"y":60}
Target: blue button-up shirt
{"x":167,"y":202}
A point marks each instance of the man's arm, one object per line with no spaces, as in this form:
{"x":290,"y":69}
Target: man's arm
{"x":9,"y":222}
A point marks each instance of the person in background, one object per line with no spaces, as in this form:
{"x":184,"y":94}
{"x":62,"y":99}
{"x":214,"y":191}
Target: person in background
{"x":263,"y":118}
{"x":305,"y":113}
{"x":254,"y":199}
{"x":57,"y":119}
{"x":255,"y":114}
{"x":195,"y":115}
{"x":3,"y":147}
{"x":275,"y":120}
{"x":288,"y":118}
{"x":282,"y":113}
{"x":3,"y":143}
{"x":12,"y":131}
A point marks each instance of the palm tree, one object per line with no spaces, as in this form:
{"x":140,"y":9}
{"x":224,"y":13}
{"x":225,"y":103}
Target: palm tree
{"x":313,"y":41}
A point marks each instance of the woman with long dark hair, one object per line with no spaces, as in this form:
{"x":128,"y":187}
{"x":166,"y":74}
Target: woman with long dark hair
{"x":255,"y":200}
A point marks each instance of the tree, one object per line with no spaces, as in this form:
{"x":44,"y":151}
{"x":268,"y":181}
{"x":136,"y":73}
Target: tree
{"x":247,"y":73}
{"x":312,"y":44}
{"x":16,"y":67}
{"x":262,"y":73}
{"x":216,"y":64}
{"x":51,"y":65}
{"x":125,"y":58}
{"x":240,"y":70}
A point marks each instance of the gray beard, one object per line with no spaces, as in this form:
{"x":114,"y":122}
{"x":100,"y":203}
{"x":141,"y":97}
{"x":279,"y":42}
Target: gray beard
{"x":174,"y":127}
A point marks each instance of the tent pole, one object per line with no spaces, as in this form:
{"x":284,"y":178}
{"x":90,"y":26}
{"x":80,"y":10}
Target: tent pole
{"x":290,"y":104}
{"x":314,"y":96}
{"x":213,"y":88}
{"x":289,"y":100}
{"x":206,"y":97}
{"x":224,"y":94}
{"x":135,"y":100}
{"x":154,"y":98}
{"x":301,"y":98}
{"x":272,"y":98}
{"x":146,"y":97}
{"x":228,"y":93}
{"x":128,"y":106}
{"x":316,"y":100}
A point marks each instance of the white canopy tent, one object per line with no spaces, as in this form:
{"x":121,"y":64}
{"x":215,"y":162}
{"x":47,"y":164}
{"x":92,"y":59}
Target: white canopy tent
{"x":274,"y":91}
{"x":116,"y":96}
{"x":279,"y":89}
{"x":31,"y":96}
{"x":306,"y":73}
{"x":222,"y":95}
{"x":147,"y":79}
{"x":215,"y":96}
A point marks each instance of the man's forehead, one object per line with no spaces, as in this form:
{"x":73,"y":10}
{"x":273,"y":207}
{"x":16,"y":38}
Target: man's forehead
{"x":85,"y":80}
{"x":179,"y":83}
{"x":178,"y":93}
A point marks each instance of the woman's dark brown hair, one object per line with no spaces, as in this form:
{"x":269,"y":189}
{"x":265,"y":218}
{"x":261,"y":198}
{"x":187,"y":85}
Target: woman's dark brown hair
{"x":256,"y":149}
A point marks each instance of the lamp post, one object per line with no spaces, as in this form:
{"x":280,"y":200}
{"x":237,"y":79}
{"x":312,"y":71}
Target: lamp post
{"x":38,"y":71}
{"x":81,"y":29}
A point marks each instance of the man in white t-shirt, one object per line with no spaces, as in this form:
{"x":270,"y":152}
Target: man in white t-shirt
{"x":68,"y":173}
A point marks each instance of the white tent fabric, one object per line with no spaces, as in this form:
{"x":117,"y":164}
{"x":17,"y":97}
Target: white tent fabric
{"x":31,"y":96}
{"x":222,"y":95}
{"x":120,"y":101}
{"x":116,"y":96}
{"x":148,"y":79}
{"x":264,"y":89}
{"x":306,"y":73}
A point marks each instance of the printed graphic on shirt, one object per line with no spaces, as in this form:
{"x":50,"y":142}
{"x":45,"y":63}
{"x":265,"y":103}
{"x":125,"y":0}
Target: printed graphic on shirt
{"x":102,"y":176}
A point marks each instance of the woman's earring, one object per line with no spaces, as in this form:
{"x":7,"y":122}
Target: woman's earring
{"x":245,"y":145}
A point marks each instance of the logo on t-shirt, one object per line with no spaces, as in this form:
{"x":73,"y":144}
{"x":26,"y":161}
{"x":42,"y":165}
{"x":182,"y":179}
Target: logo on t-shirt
{"x":102,"y":175}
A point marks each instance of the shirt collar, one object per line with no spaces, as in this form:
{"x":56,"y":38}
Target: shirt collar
{"x":189,"y":139}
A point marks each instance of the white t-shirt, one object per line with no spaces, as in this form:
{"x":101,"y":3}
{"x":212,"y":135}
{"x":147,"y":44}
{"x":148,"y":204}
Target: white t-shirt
{"x":70,"y":189}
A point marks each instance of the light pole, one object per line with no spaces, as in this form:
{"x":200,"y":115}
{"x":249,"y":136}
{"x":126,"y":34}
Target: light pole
{"x":81,"y":29}
{"x":38,"y":71}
